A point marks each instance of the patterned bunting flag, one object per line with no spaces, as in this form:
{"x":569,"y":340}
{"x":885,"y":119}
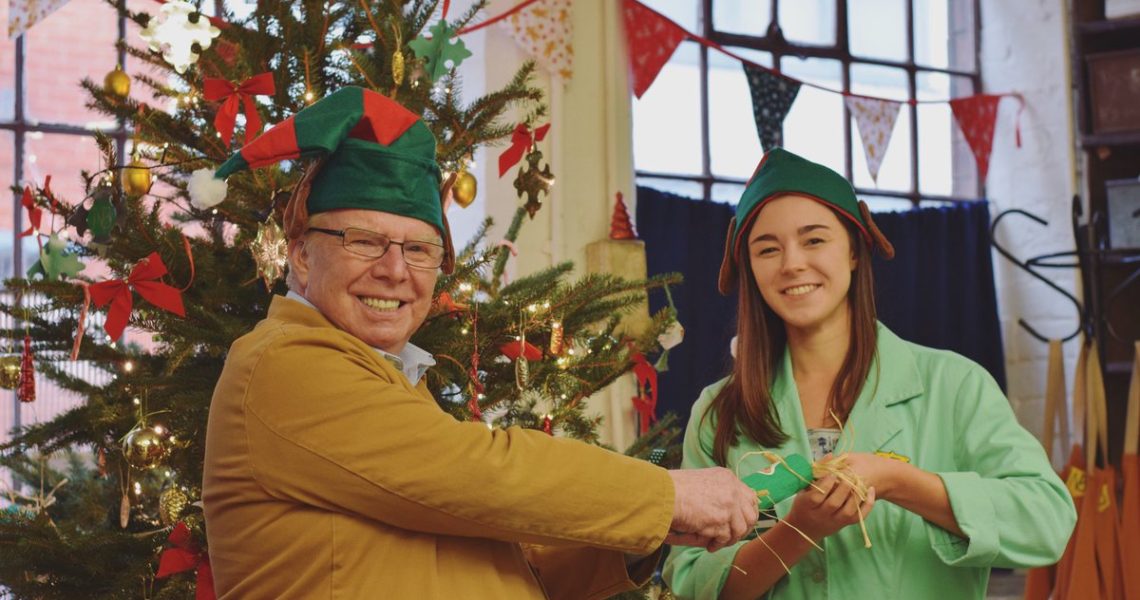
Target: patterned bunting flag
{"x":652,"y":39}
{"x":544,"y":30}
{"x":976,"y":116}
{"x":772,"y":97}
{"x":23,"y":14}
{"x":876,"y":119}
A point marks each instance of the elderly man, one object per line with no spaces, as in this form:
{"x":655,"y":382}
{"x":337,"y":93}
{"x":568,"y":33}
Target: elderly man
{"x":330,"y":470}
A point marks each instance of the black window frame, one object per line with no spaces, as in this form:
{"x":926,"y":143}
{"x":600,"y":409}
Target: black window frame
{"x":779,"y":47}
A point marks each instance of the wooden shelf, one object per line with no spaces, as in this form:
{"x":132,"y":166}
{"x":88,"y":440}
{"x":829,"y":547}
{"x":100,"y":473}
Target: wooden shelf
{"x":1109,"y":25}
{"x":1116,"y":138}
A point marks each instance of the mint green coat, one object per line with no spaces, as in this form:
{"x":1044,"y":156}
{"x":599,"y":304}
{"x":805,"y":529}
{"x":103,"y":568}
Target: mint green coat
{"x":944,"y":414}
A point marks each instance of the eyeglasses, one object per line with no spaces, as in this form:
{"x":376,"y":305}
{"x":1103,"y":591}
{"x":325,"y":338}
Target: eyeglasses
{"x":425,"y":255}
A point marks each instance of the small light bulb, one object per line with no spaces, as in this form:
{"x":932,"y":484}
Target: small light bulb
{"x":136,"y":401}
{"x":463,"y":331}
{"x":138,"y":489}
{"x":308,"y":96}
{"x":128,"y":366}
{"x":481,"y":396}
{"x":168,"y":473}
{"x":171,"y":439}
{"x":159,"y":429}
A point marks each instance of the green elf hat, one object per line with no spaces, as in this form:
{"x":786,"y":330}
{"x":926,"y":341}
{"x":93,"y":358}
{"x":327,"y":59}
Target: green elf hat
{"x":375,"y":155}
{"x":780,"y":173}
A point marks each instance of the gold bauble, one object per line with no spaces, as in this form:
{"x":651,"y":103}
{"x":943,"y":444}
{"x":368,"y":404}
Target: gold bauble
{"x":136,"y":178}
{"x":144,"y":448}
{"x":9,"y":372}
{"x":170,"y":505}
{"x":464,"y":188}
{"x":117,"y":83}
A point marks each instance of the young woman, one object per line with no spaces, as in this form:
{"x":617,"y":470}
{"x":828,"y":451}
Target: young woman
{"x":956,"y":485}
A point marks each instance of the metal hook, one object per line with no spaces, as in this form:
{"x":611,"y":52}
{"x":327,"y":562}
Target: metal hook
{"x":1028,"y":269}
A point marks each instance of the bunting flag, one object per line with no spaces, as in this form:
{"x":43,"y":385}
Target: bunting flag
{"x":876,"y":120}
{"x":976,"y":116}
{"x":23,"y":14}
{"x":772,"y":97}
{"x":544,"y":30}
{"x":652,"y":39}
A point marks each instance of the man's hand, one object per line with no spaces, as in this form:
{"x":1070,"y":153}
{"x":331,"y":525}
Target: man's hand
{"x":712,"y":508}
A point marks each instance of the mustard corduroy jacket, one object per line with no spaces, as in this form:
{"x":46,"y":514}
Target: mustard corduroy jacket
{"x":328,"y":475}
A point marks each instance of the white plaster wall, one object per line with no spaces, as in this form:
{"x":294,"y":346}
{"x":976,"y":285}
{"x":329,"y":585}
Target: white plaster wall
{"x":1024,"y":49}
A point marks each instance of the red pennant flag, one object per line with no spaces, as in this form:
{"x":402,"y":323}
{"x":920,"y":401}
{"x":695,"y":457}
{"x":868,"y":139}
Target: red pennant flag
{"x":652,"y":39}
{"x":976,"y":116}
{"x":231,"y":96}
{"x":144,"y":279}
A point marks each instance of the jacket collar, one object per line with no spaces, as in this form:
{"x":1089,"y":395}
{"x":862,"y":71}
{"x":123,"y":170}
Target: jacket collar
{"x":894,"y":378}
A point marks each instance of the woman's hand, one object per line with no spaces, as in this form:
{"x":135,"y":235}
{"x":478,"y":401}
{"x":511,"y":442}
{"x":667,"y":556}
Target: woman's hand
{"x":883,"y":474}
{"x":827,"y":506}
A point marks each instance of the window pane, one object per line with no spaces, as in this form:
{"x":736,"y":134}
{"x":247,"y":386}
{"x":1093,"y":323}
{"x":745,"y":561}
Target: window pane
{"x":894,"y":171}
{"x":7,"y":170}
{"x":808,"y":21}
{"x":879,"y":204}
{"x":734,"y":145}
{"x":728,"y":193}
{"x":7,"y":83}
{"x":946,"y":165}
{"x":59,"y":54}
{"x":814,"y":126}
{"x":687,"y":189}
{"x":62,"y":157}
{"x":944,"y":34}
{"x":877,"y":28}
{"x":666,"y":120}
{"x":748,"y":18}
{"x":681,"y":12}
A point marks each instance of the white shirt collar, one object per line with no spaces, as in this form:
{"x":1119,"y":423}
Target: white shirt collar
{"x":412,"y":361}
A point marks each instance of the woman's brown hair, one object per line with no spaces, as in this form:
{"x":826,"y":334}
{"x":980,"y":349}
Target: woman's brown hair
{"x":744,"y":404}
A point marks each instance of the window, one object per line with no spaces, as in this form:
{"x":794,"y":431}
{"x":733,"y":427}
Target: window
{"x":694,"y":132}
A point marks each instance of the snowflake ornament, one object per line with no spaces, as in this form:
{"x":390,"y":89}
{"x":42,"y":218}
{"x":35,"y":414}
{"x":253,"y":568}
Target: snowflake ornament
{"x":174,"y":34}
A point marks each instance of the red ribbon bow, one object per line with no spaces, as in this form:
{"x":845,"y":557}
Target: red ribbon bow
{"x":184,"y":556}
{"x":35,"y":213}
{"x":645,"y":404}
{"x":231,"y":95}
{"x":144,"y":279}
{"x":521,"y":141}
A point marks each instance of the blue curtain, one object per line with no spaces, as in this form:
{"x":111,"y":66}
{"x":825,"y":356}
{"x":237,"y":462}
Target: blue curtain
{"x":938,"y":291}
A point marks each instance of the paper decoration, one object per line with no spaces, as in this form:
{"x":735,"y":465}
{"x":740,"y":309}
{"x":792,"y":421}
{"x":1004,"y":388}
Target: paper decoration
{"x":544,"y":30}
{"x":442,"y":48}
{"x":652,"y":39}
{"x":23,"y":14}
{"x":772,"y":97}
{"x":876,"y":120}
{"x":172,"y":33}
{"x":976,"y":116}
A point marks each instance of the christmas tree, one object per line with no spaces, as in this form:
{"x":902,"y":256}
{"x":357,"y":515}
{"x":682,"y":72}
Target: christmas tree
{"x":107,"y":509}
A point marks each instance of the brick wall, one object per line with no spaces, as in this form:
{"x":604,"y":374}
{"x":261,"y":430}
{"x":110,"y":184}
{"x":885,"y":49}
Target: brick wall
{"x":1024,"y":50}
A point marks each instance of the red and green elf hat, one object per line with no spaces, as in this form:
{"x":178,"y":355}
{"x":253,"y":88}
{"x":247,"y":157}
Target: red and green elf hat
{"x":781,"y":173}
{"x":379,"y":156}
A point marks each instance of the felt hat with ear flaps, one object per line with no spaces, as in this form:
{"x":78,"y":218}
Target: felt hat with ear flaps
{"x":781,"y":173}
{"x":374,"y":155}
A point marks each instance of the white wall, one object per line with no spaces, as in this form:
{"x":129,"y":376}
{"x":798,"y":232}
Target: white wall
{"x":1024,"y":49}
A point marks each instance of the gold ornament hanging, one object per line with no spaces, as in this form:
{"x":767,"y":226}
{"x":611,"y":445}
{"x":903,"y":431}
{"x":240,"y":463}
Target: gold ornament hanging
{"x":171,"y":503}
{"x":522,"y":367}
{"x":531,"y":181}
{"x":270,"y":251}
{"x":10,"y":371}
{"x":556,"y":338}
{"x":136,"y":178}
{"x":145,"y":448}
{"x":398,"y":68}
{"x":464,"y":188}
{"x":125,"y":510}
{"x":117,"y":83}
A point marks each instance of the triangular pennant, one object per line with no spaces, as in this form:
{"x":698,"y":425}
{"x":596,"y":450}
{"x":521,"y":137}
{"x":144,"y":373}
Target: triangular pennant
{"x":652,"y":39}
{"x":876,"y":120}
{"x":772,"y":97}
{"x":23,"y":14}
{"x":544,"y":30}
{"x":976,"y":116}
